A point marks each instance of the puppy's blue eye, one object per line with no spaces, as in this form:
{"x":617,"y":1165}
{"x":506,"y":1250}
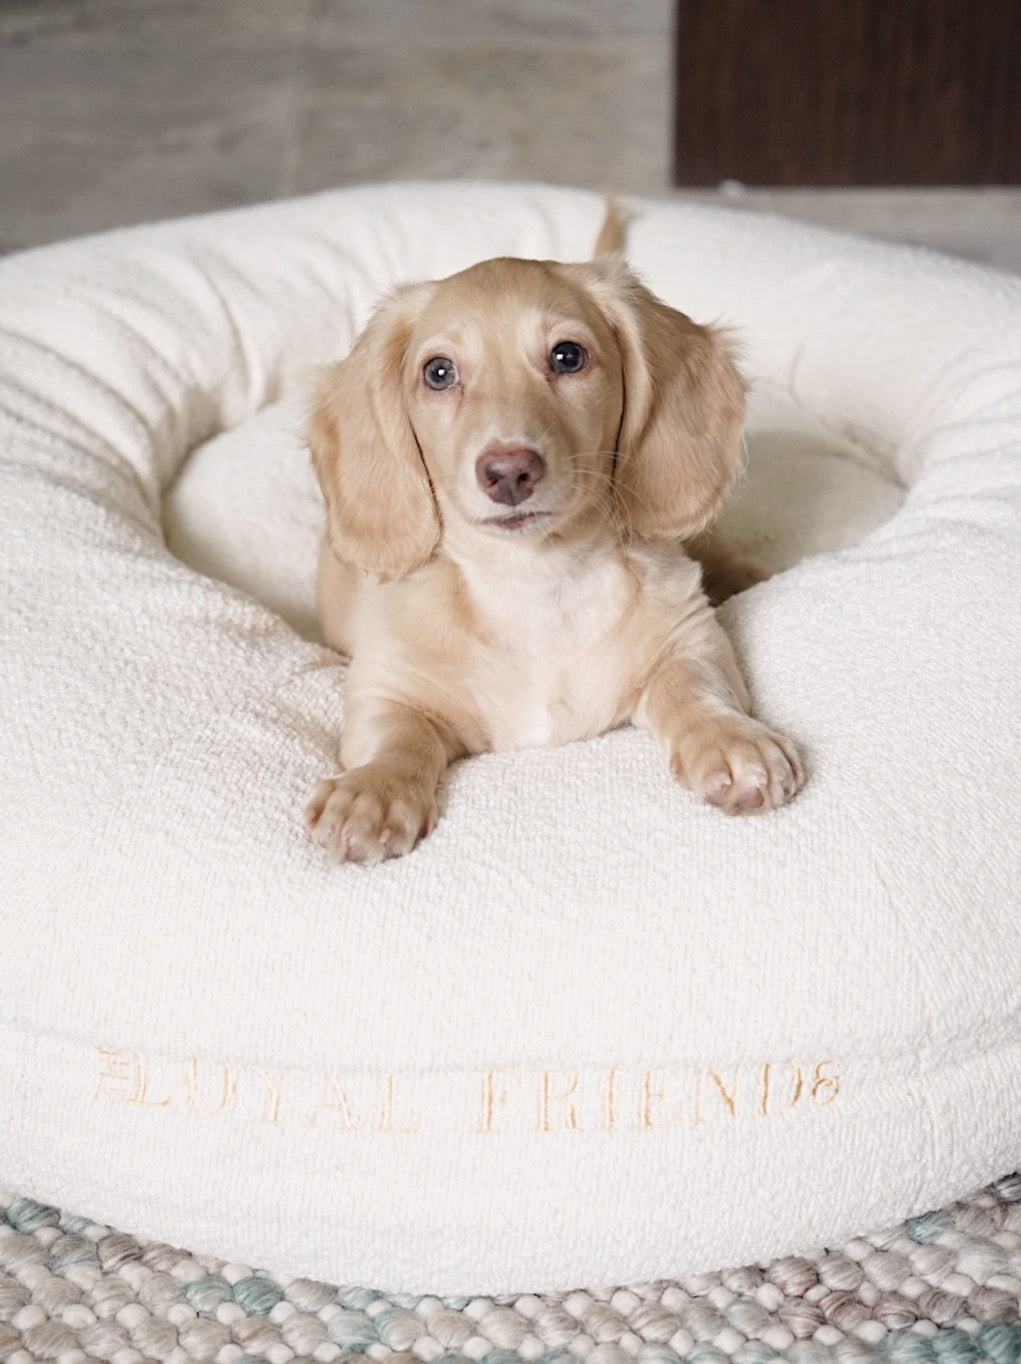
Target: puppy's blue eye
{"x":439,"y":372}
{"x":567,"y":357}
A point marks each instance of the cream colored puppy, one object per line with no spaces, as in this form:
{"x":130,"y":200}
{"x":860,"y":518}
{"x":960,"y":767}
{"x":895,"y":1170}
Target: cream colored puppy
{"x":512,"y":459}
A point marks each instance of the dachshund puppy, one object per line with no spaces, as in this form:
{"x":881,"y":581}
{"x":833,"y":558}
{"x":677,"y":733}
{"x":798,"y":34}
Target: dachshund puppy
{"x":512,"y":460}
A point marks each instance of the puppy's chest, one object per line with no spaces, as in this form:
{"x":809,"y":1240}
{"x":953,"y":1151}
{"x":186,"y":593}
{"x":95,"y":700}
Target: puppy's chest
{"x":550,"y":665}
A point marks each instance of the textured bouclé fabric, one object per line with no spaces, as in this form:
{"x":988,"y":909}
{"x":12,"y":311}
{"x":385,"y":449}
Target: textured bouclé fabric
{"x":590,"y":1031}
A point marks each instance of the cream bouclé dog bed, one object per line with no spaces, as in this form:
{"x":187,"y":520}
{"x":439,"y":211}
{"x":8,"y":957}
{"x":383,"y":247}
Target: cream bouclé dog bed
{"x":591,"y":1031}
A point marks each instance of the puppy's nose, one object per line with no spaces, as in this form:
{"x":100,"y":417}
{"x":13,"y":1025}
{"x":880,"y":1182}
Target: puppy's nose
{"x":509,"y":476}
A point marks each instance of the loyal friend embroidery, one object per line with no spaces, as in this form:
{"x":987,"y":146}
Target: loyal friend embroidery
{"x":489,"y":1103}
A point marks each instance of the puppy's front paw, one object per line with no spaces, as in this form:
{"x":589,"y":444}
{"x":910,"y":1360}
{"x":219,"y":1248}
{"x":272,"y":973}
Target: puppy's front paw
{"x":738,"y":765}
{"x":368,"y":814}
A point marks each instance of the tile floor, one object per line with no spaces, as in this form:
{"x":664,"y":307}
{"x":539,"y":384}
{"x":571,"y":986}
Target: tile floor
{"x":118,"y":111}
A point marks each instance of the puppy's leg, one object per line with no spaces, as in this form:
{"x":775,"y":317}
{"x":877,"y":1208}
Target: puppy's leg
{"x":695,"y":704}
{"x":726,"y":568}
{"x":385,"y":800}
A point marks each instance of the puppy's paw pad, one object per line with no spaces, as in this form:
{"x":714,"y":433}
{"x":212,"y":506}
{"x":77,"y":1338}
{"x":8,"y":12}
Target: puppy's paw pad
{"x":744,"y":770}
{"x":717,"y":788}
{"x":367,"y":815}
{"x":753,"y":791}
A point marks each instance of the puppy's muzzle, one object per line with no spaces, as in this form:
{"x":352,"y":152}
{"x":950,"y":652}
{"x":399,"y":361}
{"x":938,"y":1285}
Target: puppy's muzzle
{"x":509,"y":475}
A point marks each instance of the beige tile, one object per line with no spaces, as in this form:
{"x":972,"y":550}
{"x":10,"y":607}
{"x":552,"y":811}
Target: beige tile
{"x":464,"y":23}
{"x":116,"y":111}
{"x":480,"y":115}
{"x":981,"y":224}
{"x":576,"y":93}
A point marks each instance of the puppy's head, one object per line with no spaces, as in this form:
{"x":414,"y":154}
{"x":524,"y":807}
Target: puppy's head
{"x":523,"y":399}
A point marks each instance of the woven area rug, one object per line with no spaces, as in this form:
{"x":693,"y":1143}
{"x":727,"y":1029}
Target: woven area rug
{"x":944,"y":1287}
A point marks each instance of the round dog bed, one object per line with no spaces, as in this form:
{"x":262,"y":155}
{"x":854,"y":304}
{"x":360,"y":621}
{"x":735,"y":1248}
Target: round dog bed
{"x":591,"y":1031}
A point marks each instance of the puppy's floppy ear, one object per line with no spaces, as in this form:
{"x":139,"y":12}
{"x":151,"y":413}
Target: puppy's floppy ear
{"x":381,"y":516}
{"x":684,"y":402}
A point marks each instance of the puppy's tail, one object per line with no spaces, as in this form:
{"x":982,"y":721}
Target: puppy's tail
{"x":613,"y":233}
